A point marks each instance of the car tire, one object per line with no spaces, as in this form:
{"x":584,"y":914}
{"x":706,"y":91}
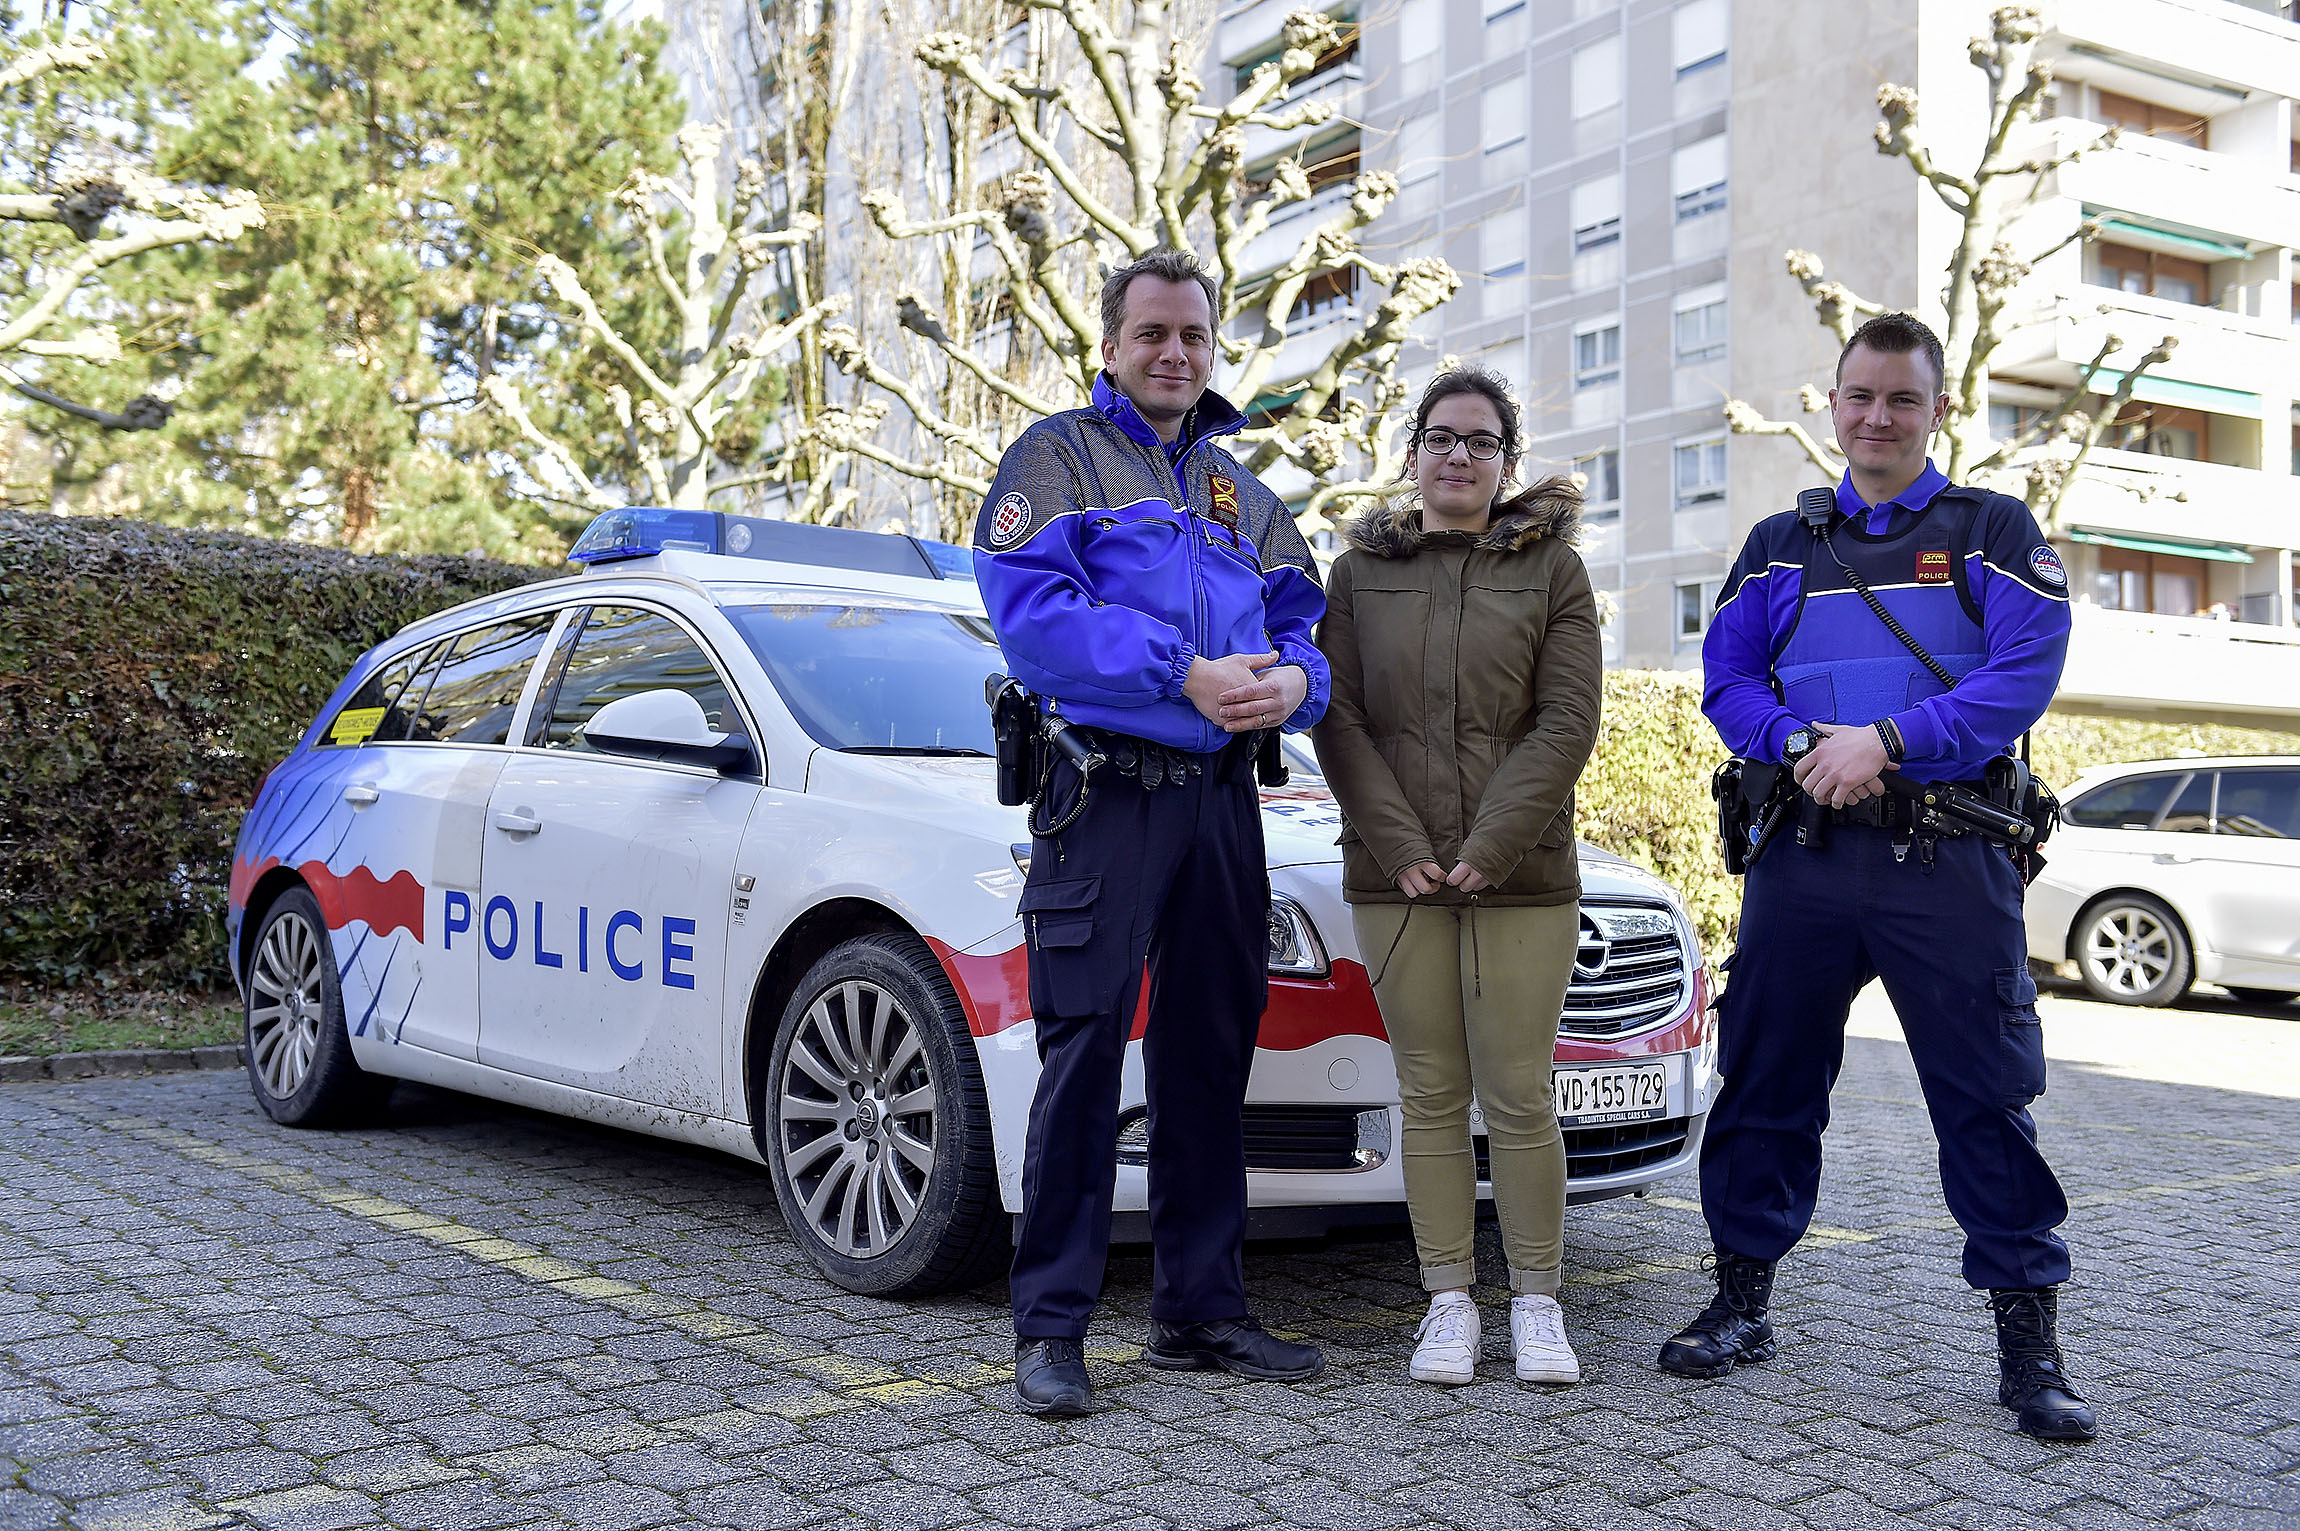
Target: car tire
{"x":2132,"y":950}
{"x":878,"y":1125}
{"x":2252,"y":996}
{"x":292,"y":1030}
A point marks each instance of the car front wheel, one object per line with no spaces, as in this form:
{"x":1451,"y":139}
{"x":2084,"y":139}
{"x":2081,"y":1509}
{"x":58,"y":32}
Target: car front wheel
{"x":298,"y":1050}
{"x":2132,"y":950}
{"x":878,"y":1126}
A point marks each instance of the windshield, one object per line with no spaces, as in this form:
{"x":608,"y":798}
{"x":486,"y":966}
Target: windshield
{"x":902,"y":680}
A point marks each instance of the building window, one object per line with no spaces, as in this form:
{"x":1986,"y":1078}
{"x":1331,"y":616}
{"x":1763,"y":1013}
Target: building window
{"x":1421,"y":157}
{"x":2152,"y":121}
{"x":1504,"y":26}
{"x":1595,"y":209}
{"x":1501,"y":245}
{"x":1700,"y":472}
{"x":1600,"y":473}
{"x":2163,"y":430}
{"x":1696,"y":599}
{"x":1697,"y":36}
{"x":1697,"y":178}
{"x":2166,"y":584}
{"x":1502,"y":115}
{"x":1700,"y":325}
{"x":1325,"y":299}
{"x":1596,"y":77}
{"x":2008,"y":420}
{"x":2153,"y":275}
{"x":1596,"y":353}
{"x":1421,"y":33}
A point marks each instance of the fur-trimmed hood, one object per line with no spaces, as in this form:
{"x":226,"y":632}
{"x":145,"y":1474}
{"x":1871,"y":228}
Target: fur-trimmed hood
{"x":1551,"y":508}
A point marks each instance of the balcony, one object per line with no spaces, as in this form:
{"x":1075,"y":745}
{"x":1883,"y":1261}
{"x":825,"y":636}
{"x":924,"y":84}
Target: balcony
{"x":2144,"y":495}
{"x":2163,"y":180}
{"x":1253,"y":27}
{"x":2191,"y":667}
{"x":1310,"y":339}
{"x":1341,"y":87}
{"x":1289,"y":226}
{"x":2187,"y":40}
{"x":2224,"y":363}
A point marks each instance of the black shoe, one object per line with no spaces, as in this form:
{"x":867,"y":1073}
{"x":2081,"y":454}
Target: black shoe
{"x":1235,"y":1345}
{"x":1050,"y":1377}
{"x":2030,"y":1379}
{"x":1733,"y":1330}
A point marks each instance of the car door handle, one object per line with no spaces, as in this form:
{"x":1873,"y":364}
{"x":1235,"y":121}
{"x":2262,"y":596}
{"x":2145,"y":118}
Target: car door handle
{"x":2171,"y":859}
{"x":517,"y":824}
{"x":361,"y":795}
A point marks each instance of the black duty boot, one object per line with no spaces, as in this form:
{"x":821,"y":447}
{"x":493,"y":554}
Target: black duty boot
{"x":1050,"y":1376}
{"x":2030,"y":1379}
{"x":1235,"y":1345}
{"x":1733,"y":1330}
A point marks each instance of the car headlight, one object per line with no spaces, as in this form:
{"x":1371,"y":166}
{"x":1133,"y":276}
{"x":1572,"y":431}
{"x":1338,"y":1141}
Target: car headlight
{"x":1295,"y":951}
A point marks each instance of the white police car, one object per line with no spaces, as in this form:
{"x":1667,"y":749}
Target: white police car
{"x":704,"y":842}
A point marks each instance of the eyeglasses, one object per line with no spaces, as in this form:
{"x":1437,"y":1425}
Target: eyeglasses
{"x":1441,"y":444}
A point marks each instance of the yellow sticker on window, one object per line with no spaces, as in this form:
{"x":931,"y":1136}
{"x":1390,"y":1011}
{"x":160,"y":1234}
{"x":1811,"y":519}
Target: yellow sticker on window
{"x":355,"y":725}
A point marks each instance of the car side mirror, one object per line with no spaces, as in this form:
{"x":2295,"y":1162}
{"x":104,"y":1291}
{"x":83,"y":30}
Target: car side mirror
{"x":667,"y":724}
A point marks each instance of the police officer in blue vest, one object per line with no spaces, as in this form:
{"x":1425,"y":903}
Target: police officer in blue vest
{"x":1796,"y":646}
{"x":1159,"y":599}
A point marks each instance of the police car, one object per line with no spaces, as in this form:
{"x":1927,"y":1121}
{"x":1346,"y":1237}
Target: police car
{"x":704,"y":842}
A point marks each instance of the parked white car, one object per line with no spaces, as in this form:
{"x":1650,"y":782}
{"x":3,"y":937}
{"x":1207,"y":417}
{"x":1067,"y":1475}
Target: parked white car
{"x":704,"y":842}
{"x":2166,"y":873}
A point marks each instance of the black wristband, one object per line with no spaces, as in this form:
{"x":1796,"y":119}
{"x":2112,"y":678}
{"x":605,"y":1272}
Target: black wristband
{"x":1890,"y":737}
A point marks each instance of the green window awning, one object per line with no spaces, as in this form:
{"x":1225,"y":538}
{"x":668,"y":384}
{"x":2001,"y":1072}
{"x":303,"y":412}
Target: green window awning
{"x":2193,"y":244}
{"x":2216,"y":551}
{"x":2166,"y":390}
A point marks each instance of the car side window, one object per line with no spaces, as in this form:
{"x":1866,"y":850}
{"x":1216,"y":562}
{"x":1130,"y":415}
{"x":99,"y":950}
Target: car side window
{"x":2191,"y":810}
{"x":478,"y":686}
{"x":2128,"y":804}
{"x":554,"y":676}
{"x":385,"y":708}
{"x":623,"y":651}
{"x":2263,"y":803}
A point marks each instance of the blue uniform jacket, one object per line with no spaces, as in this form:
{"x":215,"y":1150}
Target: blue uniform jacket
{"x":1966,"y":571}
{"x":1108,"y":561}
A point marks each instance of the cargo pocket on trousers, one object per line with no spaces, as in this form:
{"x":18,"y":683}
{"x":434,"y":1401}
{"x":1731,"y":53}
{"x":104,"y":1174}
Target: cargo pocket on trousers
{"x":2023,"y":1043}
{"x":1058,"y":921}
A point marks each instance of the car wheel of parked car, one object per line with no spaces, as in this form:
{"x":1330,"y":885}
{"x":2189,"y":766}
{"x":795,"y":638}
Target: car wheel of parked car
{"x":2132,"y":950}
{"x":298,"y":1050}
{"x":878,"y":1126}
{"x":2263,"y":996}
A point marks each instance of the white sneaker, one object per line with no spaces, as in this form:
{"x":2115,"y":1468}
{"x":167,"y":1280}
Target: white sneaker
{"x":1450,"y":1335}
{"x":1537,"y":1335}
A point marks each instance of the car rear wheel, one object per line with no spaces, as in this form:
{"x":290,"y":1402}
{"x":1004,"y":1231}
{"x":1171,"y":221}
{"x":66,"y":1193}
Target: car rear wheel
{"x":2263,"y":996}
{"x":2132,"y":950}
{"x":878,"y":1126}
{"x":298,"y":1050}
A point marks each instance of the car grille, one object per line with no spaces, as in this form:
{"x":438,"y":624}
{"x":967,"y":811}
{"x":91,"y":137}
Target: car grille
{"x":1594,"y":1151}
{"x":1630,"y":972}
{"x":1334,"y":1139}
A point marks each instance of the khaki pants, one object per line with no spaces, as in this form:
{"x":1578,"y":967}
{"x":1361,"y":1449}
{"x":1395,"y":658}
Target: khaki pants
{"x":1471,"y":996}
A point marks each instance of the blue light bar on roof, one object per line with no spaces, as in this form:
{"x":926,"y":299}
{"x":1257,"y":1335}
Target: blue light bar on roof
{"x":642,"y":532}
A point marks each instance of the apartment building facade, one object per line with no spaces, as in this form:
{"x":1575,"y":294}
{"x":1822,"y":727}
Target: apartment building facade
{"x":1617,"y":181}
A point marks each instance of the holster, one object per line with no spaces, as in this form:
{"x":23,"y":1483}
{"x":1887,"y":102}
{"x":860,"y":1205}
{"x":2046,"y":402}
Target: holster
{"x":1743,"y":789}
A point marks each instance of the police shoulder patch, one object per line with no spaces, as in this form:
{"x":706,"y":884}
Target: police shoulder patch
{"x":1009,"y":519}
{"x":2046,"y":565}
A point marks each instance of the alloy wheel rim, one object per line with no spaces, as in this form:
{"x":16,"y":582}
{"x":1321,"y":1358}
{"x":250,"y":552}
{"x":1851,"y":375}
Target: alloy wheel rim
{"x":857,"y":1117}
{"x":287,"y":999}
{"x":2128,"y":950}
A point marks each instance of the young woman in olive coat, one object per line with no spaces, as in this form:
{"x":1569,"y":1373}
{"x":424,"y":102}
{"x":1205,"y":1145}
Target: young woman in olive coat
{"x":1463,"y":636}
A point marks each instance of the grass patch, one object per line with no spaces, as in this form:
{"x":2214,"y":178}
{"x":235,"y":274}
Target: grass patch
{"x":40,"y":1022}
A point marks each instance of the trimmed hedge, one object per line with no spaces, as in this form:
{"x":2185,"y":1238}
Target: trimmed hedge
{"x":1645,"y":795}
{"x":149,"y":677}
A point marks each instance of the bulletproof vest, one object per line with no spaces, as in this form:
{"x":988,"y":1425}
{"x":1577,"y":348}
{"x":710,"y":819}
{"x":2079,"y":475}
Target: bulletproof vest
{"x":1839,"y":663}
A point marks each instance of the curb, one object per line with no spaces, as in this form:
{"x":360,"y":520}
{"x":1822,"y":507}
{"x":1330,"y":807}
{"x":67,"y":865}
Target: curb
{"x":116,"y":1061}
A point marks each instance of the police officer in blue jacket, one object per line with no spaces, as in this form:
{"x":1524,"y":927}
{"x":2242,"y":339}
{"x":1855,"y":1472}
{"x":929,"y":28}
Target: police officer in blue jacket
{"x":1794,"y":645}
{"x":1151,"y":591}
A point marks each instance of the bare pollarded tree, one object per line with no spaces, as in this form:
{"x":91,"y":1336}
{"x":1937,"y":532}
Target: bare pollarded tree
{"x":1985,"y":272}
{"x":1103,"y":146}
{"x":688,"y":414}
{"x":60,"y":222}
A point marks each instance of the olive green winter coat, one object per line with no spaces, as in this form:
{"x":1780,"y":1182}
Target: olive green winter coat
{"x":1465,"y":698}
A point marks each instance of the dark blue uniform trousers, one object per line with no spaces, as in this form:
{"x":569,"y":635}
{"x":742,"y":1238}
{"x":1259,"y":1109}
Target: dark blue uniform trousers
{"x":1173,"y":876}
{"x":1816,"y":925}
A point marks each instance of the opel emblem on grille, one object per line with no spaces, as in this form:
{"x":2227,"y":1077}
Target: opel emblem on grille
{"x":1589,"y":958}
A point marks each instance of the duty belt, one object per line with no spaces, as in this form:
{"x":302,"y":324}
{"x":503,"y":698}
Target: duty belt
{"x":1157,"y":765}
{"x":1887,"y":811}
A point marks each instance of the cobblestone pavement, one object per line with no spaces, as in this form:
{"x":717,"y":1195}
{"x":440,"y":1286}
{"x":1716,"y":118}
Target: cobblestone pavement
{"x":478,"y":1317}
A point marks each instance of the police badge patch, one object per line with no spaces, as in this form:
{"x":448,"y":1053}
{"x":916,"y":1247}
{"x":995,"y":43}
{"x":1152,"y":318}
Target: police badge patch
{"x":1225,"y":499}
{"x":2047,"y":566}
{"x":1009,"y":519}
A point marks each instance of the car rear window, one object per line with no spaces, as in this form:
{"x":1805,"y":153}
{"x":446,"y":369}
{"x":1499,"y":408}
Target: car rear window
{"x":2191,"y":810}
{"x":477,"y":689}
{"x":2263,"y":803}
{"x":386,"y":708}
{"x":2128,"y":804}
